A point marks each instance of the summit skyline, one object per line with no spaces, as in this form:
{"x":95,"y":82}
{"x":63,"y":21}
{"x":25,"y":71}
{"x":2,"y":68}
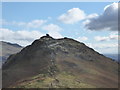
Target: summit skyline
{"x":93,"y":23}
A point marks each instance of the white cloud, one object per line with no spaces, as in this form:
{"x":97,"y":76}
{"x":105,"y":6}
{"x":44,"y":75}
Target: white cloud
{"x":72,"y":16}
{"x":25,"y":37}
{"x":32,"y":24}
{"x":21,"y":37}
{"x":92,"y":16}
{"x":102,"y":45}
{"x":108,"y":48}
{"x":112,"y":36}
{"x":53,"y":30}
{"x":100,"y":38}
{"x":36,"y":23}
{"x":87,"y":19}
{"x":82,"y":39}
{"x":108,"y":20}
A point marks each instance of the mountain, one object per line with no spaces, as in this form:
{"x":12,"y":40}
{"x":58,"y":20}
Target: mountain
{"x":59,"y":63}
{"x":113,"y":56}
{"x":7,"y":49}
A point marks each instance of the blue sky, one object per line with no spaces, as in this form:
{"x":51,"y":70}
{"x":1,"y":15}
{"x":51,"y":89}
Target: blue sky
{"x":24,"y":22}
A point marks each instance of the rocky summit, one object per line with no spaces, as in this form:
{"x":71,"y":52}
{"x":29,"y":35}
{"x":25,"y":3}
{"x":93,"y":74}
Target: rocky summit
{"x":59,"y":63}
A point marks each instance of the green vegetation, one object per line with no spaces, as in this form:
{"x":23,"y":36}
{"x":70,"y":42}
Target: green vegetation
{"x":62,"y":80}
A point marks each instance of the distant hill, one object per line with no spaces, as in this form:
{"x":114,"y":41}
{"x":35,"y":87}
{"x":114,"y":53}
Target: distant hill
{"x":6,"y":49}
{"x":59,"y":63}
{"x":113,"y":56}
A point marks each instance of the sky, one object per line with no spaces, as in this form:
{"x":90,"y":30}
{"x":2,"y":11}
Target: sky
{"x":93,"y":23}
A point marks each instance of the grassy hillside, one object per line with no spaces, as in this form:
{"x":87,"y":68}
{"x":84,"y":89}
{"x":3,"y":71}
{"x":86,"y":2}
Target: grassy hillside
{"x":59,"y":63}
{"x":62,"y":80}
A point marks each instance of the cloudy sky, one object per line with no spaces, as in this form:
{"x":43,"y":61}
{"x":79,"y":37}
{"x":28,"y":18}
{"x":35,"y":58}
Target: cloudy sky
{"x":94,"y":23}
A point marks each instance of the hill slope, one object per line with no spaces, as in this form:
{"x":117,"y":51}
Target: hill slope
{"x":50,"y":62}
{"x":8,"y":49}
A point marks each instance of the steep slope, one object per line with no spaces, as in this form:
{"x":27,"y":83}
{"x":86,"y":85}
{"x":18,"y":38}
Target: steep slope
{"x":50,"y":62}
{"x":7,"y":49}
